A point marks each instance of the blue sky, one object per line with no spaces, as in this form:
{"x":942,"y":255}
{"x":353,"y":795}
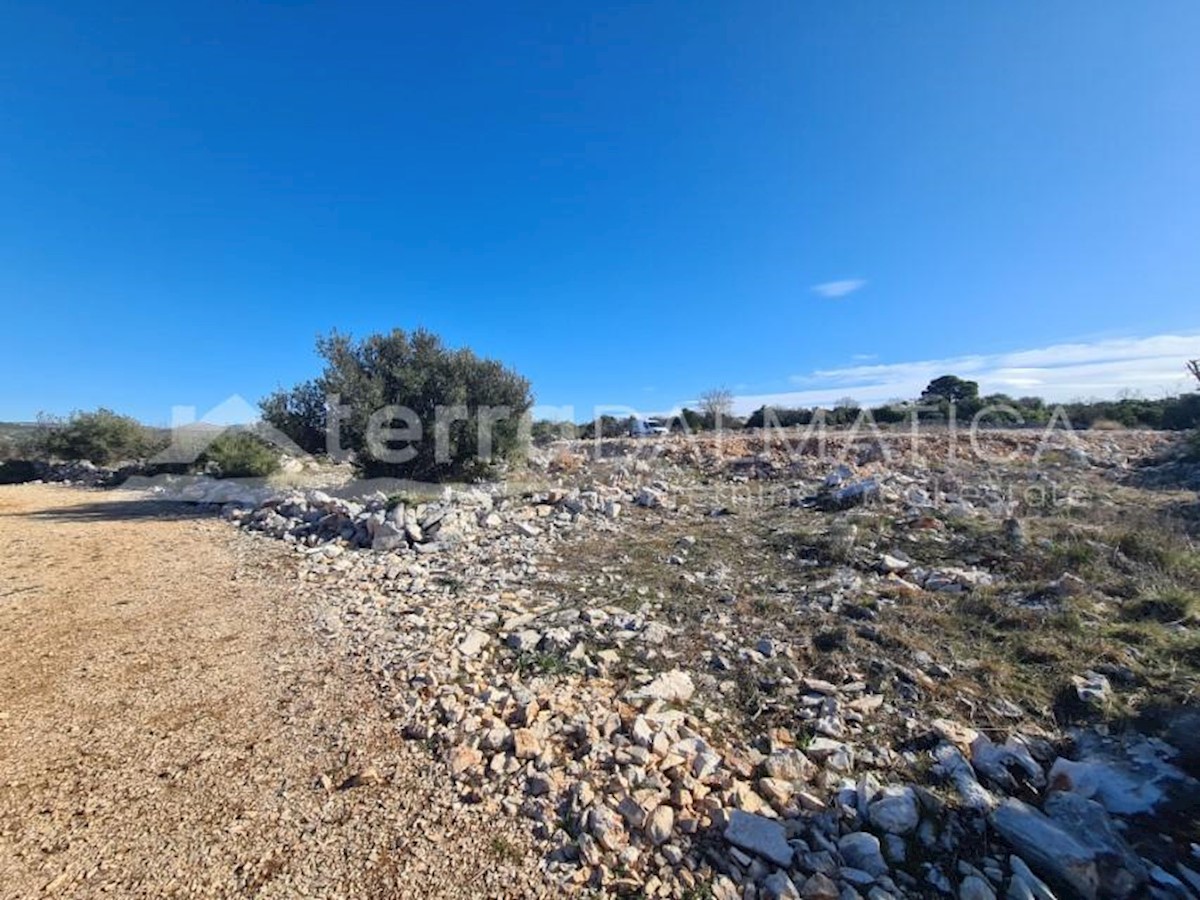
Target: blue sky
{"x":628,"y":203}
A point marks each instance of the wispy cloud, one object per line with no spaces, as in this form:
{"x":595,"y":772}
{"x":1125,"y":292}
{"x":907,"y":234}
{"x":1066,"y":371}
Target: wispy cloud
{"x":1103,"y":368}
{"x":835,"y":290}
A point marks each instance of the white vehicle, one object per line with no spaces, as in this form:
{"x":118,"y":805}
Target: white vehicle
{"x":651,"y":427}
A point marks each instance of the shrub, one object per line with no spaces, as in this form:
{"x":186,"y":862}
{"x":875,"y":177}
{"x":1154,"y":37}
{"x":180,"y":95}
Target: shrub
{"x":101,"y":437}
{"x":420,"y":373}
{"x":775,"y":416}
{"x":1183,"y":412}
{"x":889,"y":414}
{"x":239,"y":454}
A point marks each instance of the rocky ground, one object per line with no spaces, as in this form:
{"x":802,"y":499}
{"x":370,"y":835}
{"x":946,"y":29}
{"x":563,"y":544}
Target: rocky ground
{"x":749,"y":667}
{"x":171,"y":726}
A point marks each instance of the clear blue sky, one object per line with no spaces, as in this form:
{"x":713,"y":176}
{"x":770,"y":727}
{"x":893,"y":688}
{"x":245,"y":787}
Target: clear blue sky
{"x":628,"y":203}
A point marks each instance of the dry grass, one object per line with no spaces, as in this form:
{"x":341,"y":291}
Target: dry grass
{"x":1019,"y":641}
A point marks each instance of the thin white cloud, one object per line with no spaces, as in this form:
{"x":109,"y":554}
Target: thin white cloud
{"x":1152,"y":365}
{"x":835,"y":290}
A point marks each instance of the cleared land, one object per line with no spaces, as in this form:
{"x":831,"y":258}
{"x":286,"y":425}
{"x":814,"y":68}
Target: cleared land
{"x":170,"y":725}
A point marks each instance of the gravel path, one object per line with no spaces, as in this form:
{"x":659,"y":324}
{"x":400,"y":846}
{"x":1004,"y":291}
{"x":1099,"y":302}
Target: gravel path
{"x":171,"y":725}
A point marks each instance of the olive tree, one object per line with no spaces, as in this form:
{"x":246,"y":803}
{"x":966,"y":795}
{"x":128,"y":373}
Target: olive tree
{"x":407,"y":406}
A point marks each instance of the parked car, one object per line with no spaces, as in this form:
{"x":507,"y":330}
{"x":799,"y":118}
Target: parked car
{"x":651,"y":427}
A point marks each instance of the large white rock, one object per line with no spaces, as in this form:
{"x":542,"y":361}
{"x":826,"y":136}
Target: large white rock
{"x":1050,"y":851}
{"x":474,"y":642}
{"x":896,"y":810}
{"x":659,"y":824}
{"x":861,"y":850}
{"x":789,"y":765}
{"x":760,"y":836}
{"x":675,"y":685}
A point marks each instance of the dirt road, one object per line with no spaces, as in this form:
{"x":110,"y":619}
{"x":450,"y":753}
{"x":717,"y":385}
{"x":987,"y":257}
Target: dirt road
{"x":167,"y":716}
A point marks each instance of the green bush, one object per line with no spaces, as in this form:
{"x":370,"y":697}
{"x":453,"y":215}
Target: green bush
{"x":102,"y":437}
{"x":777,"y":416}
{"x":300,"y":414}
{"x":1180,"y":413}
{"x":239,"y":454}
{"x":420,"y":373}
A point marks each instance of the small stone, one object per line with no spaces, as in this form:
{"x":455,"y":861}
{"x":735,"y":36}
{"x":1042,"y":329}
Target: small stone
{"x":526,"y":744}
{"x":789,"y":765}
{"x":474,"y":642}
{"x":777,"y":886}
{"x":660,"y":824}
{"x":524,"y":641}
{"x":705,"y":764}
{"x":1092,"y":688}
{"x":767,"y":647}
{"x":641,"y":732}
{"x":463,"y":758}
{"x":834,"y":755}
{"x":776,"y":790}
{"x":820,"y":887}
{"x":607,"y":829}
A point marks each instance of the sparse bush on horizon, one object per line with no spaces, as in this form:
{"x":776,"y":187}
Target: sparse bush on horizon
{"x":102,"y":437}
{"x":1179,"y":413}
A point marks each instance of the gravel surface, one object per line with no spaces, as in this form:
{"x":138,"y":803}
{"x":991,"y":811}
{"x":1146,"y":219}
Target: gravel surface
{"x":171,"y":724}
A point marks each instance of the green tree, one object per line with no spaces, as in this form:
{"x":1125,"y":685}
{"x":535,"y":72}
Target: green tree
{"x":951,"y":389}
{"x":300,"y":414}
{"x":102,"y":437}
{"x":451,"y":393}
